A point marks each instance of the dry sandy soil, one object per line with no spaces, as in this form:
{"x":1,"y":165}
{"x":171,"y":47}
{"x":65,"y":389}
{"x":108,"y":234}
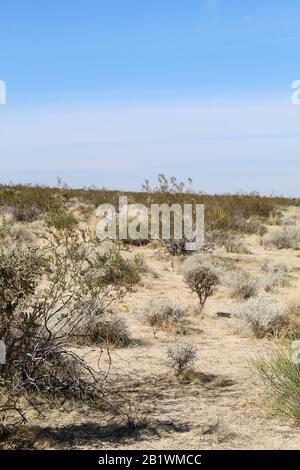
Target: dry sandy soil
{"x":222,"y":407}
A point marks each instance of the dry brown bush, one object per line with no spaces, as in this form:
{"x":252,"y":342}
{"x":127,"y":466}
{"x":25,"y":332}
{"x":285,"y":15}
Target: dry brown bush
{"x":42,"y":311}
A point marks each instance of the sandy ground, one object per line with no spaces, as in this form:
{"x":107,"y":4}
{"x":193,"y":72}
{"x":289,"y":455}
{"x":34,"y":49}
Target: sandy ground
{"x":222,"y":408}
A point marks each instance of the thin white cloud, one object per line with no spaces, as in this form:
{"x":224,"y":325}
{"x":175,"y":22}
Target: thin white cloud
{"x":224,"y":146}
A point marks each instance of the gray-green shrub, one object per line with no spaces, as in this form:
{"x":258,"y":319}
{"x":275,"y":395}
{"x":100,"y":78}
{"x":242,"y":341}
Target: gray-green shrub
{"x":263,"y":315}
{"x":181,"y":356}
{"x":163,"y":314}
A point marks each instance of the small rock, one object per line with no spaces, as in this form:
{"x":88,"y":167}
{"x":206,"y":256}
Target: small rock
{"x":210,"y":428}
{"x":223,"y":314}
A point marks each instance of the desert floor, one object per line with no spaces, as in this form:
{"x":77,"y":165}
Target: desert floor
{"x":221,"y":407}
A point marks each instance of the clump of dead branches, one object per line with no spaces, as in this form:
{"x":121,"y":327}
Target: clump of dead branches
{"x":48,"y":296}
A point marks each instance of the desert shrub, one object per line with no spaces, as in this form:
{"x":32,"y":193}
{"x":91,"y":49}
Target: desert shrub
{"x":175,"y":247}
{"x":6,"y":226}
{"x":60,"y":220}
{"x":237,"y":222}
{"x":215,"y":238}
{"x":276,"y":275}
{"x":106,"y":266}
{"x":117,"y":270}
{"x":274,"y":281}
{"x":26,"y":214}
{"x":168,"y":185}
{"x":218,"y":217}
{"x":201,"y":277}
{"x":254,"y":225}
{"x":235,"y":245}
{"x":242,"y":284}
{"x":139,"y":219}
{"x":140,"y":264}
{"x":114,"y":331}
{"x":262,"y":230}
{"x":36,"y":326}
{"x":280,"y":375}
{"x":203,"y":282}
{"x":38,"y":320}
{"x":295,"y":310}
{"x":110,"y":329}
{"x":288,"y":237}
{"x":244,"y":205}
{"x":163,"y":315}
{"x":251,"y":225}
{"x":197,"y":259}
{"x":3,"y":226}
{"x":288,"y":221}
{"x":263,"y":315}
{"x":20,"y":269}
{"x":223,"y":212}
{"x":136,"y":242}
{"x":85,"y":210}
{"x":292,"y":328}
{"x":16,"y":234}
{"x":20,"y":235}
{"x":12,"y":415}
{"x":181,"y":356}
{"x":273,"y":267}
{"x":275,"y":216}
{"x":278,"y":239}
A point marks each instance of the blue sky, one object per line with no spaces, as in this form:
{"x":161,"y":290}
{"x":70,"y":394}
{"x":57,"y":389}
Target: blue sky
{"x":111,"y":92}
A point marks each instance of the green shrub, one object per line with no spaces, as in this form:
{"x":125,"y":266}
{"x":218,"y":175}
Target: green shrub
{"x":118,"y":270}
{"x":281,"y":378}
{"x":221,"y":211}
{"x":61,"y":220}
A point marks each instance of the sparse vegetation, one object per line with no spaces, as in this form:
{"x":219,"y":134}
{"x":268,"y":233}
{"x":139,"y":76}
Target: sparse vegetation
{"x":163,"y":315}
{"x":254,"y":225}
{"x":181,"y":356}
{"x":175,"y":247}
{"x":62,"y":291}
{"x":37,"y":323}
{"x":273,"y":267}
{"x":201,"y":277}
{"x":26,"y":214}
{"x":276,"y":276}
{"x":242,"y":284}
{"x":281,"y":377}
{"x":221,"y":212}
{"x":287,"y":238}
{"x":109,"y":329}
{"x":263,"y":315}
{"x":235,"y":245}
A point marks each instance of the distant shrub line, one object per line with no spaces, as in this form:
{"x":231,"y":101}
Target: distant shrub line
{"x":221,"y":211}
